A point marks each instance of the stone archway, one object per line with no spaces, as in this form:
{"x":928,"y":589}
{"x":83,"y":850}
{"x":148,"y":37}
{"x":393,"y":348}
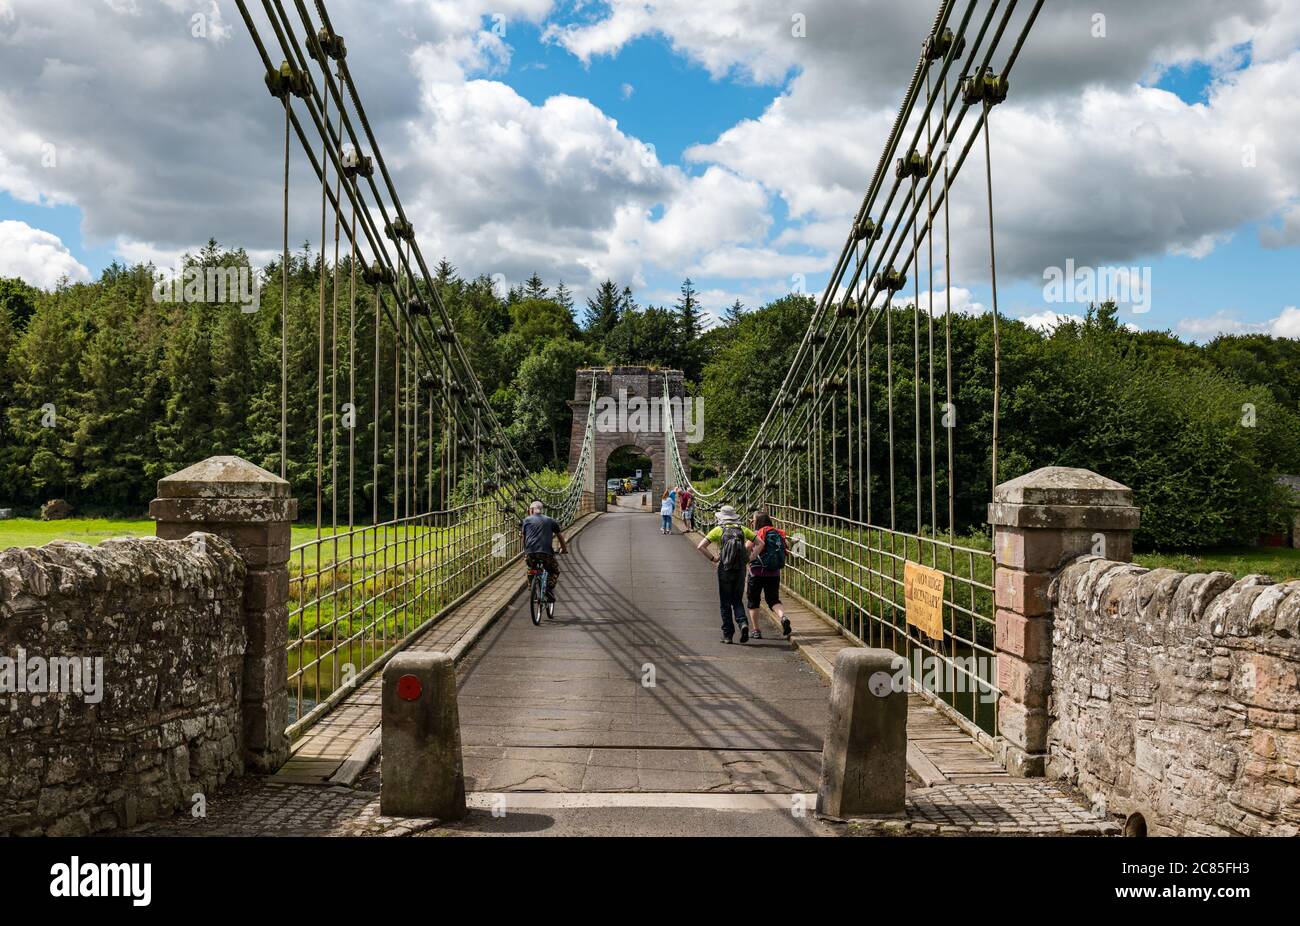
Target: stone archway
{"x":655,"y":452}
{"x":622,"y":385}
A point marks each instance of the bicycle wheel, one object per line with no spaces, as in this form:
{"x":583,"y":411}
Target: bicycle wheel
{"x":550,"y":610}
{"x":537,"y":599}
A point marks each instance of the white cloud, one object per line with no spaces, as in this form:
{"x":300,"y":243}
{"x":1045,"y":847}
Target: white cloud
{"x":1047,"y":320}
{"x":1285,"y":325}
{"x":37,"y":257}
{"x":1087,"y":164}
{"x":962,"y":302}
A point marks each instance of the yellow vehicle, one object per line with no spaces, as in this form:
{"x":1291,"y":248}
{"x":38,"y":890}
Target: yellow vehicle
{"x":627,"y":486}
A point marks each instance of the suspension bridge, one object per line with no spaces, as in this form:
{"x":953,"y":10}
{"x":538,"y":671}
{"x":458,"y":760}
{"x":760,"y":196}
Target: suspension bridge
{"x":863,"y":459}
{"x":859,"y":460}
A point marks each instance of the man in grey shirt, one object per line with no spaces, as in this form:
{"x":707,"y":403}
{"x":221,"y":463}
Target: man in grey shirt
{"x":538,"y":529}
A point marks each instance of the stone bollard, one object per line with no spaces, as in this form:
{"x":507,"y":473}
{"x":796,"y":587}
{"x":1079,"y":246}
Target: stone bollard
{"x":252,"y":509}
{"x":421,"y":770}
{"x":864,"y":758}
{"x":1041,"y":520}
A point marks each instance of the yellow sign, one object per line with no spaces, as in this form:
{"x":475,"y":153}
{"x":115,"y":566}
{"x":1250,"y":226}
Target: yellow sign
{"x":923,"y":598}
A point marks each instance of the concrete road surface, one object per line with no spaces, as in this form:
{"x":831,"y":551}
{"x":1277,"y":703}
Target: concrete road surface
{"x":630,"y":688}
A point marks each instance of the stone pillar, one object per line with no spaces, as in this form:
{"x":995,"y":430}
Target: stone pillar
{"x":864,"y":757}
{"x":252,"y":509}
{"x":1041,"y":520}
{"x":422,"y":774}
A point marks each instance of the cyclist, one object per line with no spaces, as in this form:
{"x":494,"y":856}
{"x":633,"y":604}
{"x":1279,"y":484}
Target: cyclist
{"x":538,"y":529}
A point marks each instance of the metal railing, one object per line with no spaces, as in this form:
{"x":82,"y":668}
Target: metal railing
{"x":853,"y":572}
{"x":356,"y":596}
{"x":864,"y":434}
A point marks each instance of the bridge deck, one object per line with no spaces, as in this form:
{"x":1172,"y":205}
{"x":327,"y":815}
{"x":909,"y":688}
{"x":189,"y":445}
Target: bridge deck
{"x":560,"y":711}
{"x":337,"y":748}
{"x":562,"y":707}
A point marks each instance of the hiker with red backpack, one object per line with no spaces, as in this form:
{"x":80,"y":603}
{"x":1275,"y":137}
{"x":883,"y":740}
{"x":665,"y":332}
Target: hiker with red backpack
{"x":732,"y":539}
{"x":766,"y":560}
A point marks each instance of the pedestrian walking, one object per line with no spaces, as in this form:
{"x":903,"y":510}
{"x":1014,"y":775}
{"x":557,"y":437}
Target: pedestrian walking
{"x":732,"y":539}
{"x":666,"y":507}
{"x":766,"y":560}
{"x":687,"y":500}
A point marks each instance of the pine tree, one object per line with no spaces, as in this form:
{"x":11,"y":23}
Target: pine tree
{"x":732,"y":314}
{"x":564,"y":297}
{"x":688,"y":312}
{"x":444,"y":272}
{"x":689,"y":327}
{"x":112,"y":442}
{"x":604,"y":310}
{"x":533,"y":288}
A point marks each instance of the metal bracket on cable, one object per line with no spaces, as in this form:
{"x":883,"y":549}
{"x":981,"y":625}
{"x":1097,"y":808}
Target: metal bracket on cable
{"x":325,"y":45}
{"x":847,"y":309}
{"x":376,"y":274}
{"x":356,"y":164}
{"x":400,"y":230}
{"x":287,"y":80}
{"x":418,"y":307}
{"x":866,"y":230}
{"x":936,"y":47}
{"x":914,"y":165}
{"x":889,"y":279}
{"x":985,"y":87}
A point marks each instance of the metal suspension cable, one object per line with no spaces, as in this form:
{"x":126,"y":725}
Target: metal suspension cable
{"x":458,"y":371}
{"x":778,"y":420}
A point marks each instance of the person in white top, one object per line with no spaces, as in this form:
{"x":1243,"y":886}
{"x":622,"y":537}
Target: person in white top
{"x":666,"y":507}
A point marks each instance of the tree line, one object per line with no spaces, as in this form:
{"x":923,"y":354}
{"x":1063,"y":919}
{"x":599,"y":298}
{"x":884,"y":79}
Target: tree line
{"x":104,"y":390}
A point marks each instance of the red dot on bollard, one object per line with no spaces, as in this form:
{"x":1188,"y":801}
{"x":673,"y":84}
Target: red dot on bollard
{"x":409,"y":688}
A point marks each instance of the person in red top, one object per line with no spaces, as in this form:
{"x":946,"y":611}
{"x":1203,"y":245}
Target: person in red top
{"x":767,"y":552}
{"x":688,"y":513}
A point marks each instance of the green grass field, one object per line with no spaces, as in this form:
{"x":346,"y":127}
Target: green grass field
{"x":350,"y":600}
{"x":31,"y":532}
{"x":1278,"y":562}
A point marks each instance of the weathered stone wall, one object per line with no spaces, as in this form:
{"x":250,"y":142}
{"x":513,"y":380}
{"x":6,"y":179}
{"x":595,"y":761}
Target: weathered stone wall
{"x":1176,"y":696}
{"x":167,"y":619}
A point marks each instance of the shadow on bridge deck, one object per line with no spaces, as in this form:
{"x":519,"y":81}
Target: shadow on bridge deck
{"x":568,"y":705}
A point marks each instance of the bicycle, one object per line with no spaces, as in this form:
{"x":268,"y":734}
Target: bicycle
{"x":538,"y":577}
{"x":537,"y":596}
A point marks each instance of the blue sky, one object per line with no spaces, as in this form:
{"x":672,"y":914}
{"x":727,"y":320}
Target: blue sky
{"x":766,"y":116}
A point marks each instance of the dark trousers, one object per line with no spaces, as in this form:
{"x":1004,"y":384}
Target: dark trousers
{"x":731,"y":587}
{"x":545,"y":561}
